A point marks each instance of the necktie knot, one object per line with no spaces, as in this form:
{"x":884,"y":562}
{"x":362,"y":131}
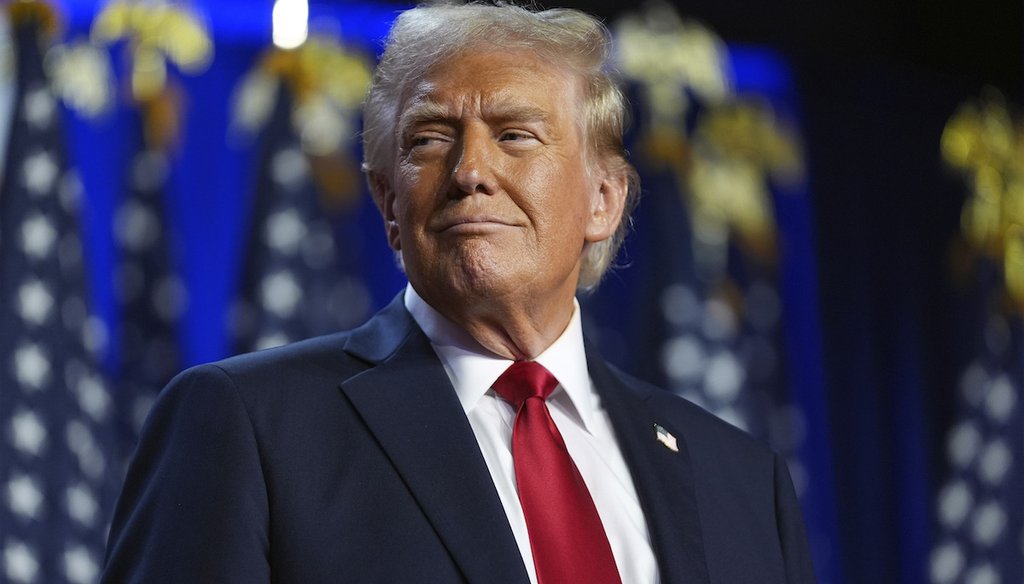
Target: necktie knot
{"x":523,"y":380}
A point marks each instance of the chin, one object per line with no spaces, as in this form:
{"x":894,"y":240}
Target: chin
{"x":482,"y":265}
{"x":481,"y":282}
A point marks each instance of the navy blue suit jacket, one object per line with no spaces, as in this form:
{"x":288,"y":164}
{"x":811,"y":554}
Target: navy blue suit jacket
{"x":348,"y":458}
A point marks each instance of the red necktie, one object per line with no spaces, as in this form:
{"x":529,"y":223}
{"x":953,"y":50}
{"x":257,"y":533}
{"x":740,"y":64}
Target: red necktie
{"x":568,"y":541}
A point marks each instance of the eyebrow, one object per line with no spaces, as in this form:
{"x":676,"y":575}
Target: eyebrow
{"x":423,"y":112}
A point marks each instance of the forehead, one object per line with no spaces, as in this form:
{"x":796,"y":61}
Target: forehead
{"x":492,"y":81}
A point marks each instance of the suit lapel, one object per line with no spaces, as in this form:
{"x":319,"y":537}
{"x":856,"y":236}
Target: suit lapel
{"x":664,"y":479}
{"x":409,"y":405}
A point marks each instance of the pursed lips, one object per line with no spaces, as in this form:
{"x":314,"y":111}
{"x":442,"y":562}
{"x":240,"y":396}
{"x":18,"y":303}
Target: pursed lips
{"x":472,"y":223}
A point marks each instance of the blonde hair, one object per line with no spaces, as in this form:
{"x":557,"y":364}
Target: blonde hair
{"x":423,"y":36}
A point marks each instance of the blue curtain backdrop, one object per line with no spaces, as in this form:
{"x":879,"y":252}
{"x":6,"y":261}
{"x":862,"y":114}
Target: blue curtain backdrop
{"x":861,"y":287}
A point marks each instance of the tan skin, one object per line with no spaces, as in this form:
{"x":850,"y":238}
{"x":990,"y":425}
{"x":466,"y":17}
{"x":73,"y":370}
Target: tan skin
{"x":491,"y":201}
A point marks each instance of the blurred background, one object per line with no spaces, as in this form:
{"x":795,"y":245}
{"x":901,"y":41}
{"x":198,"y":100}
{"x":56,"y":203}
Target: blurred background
{"x":828,"y":252}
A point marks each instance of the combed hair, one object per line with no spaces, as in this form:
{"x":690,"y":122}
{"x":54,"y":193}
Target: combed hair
{"x":424,"y":36}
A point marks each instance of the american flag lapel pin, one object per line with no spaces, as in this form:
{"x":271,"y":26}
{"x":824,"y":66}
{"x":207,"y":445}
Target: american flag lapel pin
{"x":666,"y":438}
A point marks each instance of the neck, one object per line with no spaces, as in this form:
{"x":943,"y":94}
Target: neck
{"x":519,"y":335}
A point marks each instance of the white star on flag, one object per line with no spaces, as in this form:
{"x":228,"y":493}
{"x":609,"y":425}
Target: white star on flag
{"x":280,"y":294}
{"x":39,"y":108}
{"x":79,"y":567}
{"x":290,"y":168}
{"x":82,"y":505}
{"x":38,"y":236}
{"x":39,"y":173}
{"x":285,"y":231}
{"x":31,"y":366}
{"x":24,"y":496}
{"x":34,"y":302}
{"x":93,"y":398}
{"x":29,"y":432}
{"x":21,"y":564}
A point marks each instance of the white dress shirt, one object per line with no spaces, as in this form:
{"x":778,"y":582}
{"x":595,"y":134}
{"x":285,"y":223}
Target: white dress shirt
{"x":581,"y":419}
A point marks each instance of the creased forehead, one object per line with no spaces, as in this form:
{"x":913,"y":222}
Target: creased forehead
{"x":505,"y":83}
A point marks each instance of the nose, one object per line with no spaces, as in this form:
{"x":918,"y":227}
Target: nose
{"x":474,"y":166}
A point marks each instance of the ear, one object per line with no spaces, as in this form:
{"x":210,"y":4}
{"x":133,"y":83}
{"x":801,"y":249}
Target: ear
{"x":384,"y":197}
{"x":607,"y":201}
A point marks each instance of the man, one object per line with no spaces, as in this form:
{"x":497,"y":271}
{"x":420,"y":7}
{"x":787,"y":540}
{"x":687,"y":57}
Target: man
{"x":420,"y":447}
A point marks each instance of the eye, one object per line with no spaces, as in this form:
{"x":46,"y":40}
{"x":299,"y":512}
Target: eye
{"x":515,"y":136}
{"x":424,"y":140}
{"x":421,"y":141}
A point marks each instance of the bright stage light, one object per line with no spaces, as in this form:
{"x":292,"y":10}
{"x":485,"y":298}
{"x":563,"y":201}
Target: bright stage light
{"x":290,"y":23}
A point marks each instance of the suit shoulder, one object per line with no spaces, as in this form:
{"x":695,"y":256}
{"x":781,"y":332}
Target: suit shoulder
{"x":323,"y":355}
{"x":295,"y":373}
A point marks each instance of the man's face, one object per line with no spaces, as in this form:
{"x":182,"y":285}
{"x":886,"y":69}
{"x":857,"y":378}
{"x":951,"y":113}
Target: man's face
{"x":491,"y":197}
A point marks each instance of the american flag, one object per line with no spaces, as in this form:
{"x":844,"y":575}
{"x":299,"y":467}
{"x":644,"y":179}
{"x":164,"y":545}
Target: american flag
{"x":980,"y":507}
{"x":55,"y":410}
{"x":150,"y":295}
{"x":298,"y":282}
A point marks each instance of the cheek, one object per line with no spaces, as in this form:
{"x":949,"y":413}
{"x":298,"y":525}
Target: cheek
{"x":552,"y":183}
{"x":566,"y":196}
{"x":412,"y":189}
{"x":411,"y":219}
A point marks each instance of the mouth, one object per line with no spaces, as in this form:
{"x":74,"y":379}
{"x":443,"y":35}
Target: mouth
{"x":473,"y":224}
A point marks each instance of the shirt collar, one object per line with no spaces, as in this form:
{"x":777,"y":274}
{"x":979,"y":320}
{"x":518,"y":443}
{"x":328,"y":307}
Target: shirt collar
{"x":473,"y":370}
